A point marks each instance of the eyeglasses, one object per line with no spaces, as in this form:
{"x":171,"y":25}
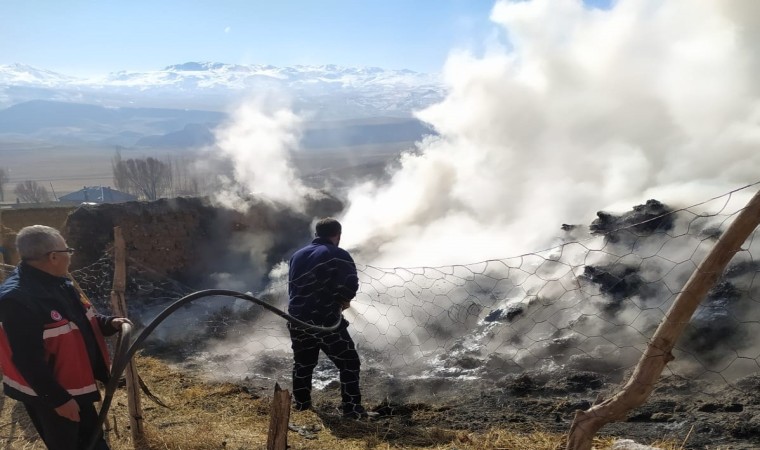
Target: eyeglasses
{"x":68,"y":250}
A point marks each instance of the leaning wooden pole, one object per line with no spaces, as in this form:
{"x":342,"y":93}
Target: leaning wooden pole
{"x":658,"y":353}
{"x":119,"y":305}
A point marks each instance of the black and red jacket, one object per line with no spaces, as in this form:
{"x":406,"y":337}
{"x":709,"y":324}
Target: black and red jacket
{"x":51,"y":340}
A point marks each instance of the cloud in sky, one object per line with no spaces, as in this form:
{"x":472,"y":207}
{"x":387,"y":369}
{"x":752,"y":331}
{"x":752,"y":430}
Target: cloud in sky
{"x":227,"y":29}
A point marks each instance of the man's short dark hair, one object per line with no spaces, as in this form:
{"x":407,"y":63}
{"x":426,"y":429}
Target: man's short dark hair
{"x":328,"y":227}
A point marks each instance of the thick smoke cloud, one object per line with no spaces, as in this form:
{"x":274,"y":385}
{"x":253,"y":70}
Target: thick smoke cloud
{"x":251,"y":171}
{"x":577,"y":111}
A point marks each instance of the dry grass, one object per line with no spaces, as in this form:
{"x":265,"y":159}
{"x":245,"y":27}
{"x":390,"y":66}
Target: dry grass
{"x":206,"y":416}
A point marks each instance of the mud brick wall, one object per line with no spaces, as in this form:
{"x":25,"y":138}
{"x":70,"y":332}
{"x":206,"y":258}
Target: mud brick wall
{"x":182,"y":238}
{"x":187,"y":238}
{"x":18,"y":218}
{"x":12,"y":220}
{"x":161,"y":235}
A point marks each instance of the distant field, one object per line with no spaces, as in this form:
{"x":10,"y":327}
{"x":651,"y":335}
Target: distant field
{"x":62,"y":168}
{"x":67,"y":168}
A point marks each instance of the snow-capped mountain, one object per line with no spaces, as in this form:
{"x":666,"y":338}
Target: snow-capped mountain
{"x":327,"y":91}
{"x":178,"y":106}
{"x":24,"y":75}
{"x":242,"y":76}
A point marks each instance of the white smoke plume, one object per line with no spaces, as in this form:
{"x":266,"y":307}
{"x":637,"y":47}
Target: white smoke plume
{"x":257,"y":141}
{"x":578,"y":110}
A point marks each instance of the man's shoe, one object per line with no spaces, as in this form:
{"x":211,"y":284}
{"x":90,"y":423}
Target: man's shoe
{"x":355,"y":415}
{"x":358,"y":413}
{"x":302,"y":406}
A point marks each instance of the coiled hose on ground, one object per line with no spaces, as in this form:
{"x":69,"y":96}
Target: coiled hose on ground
{"x":124,"y":352}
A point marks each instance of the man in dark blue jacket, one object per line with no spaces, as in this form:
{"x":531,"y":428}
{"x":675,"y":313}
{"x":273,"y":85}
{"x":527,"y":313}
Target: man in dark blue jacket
{"x":321,"y":283}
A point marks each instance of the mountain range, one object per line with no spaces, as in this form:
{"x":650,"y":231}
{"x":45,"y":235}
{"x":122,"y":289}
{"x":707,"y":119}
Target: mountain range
{"x":178,"y":105}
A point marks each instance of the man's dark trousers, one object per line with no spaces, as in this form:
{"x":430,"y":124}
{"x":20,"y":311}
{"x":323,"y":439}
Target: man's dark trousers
{"x":60,"y":433}
{"x":340,"y":348}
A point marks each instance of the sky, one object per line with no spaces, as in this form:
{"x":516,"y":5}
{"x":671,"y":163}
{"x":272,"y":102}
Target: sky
{"x":89,"y":38}
{"x":86,"y":38}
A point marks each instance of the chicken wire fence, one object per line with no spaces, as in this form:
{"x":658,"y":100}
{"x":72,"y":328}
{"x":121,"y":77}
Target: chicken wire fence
{"x":587,"y":305}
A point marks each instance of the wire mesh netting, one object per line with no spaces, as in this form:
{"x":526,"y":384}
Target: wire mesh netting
{"x":587,"y":305}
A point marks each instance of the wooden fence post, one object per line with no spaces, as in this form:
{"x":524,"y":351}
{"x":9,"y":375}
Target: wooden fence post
{"x":658,"y":352}
{"x":3,"y":266}
{"x":119,"y":305}
{"x":277,"y":439}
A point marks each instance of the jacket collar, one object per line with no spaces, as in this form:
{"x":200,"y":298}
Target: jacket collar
{"x":322,"y":241}
{"x":27,"y":270}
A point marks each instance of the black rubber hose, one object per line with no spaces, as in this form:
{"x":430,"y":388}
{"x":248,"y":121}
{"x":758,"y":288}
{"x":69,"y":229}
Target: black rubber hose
{"x":122,"y":357}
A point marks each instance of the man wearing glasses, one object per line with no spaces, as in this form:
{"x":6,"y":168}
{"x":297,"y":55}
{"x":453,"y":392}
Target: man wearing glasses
{"x":51,"y":342}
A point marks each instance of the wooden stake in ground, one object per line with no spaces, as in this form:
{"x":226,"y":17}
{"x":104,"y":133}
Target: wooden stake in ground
{"x":119,"y":305}
{"x":3,"y":267}
{"x":277,"y":438}
{"x":658,"y":353}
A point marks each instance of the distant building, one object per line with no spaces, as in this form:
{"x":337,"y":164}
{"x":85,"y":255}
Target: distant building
{"x":97,"y":194}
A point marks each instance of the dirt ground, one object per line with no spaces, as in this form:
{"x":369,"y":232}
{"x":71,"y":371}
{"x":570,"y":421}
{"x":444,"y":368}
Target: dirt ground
{"x":695,"y":415}
{"x":436,"y":412}
{"x":729,"y":418}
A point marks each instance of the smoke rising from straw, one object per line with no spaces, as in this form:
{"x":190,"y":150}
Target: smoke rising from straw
{"x":258,"y":141}
{"x":579,"y":110}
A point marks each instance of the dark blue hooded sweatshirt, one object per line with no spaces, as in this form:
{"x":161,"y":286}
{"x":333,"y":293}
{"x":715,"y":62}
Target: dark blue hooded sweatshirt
{"x":322,"y":276}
